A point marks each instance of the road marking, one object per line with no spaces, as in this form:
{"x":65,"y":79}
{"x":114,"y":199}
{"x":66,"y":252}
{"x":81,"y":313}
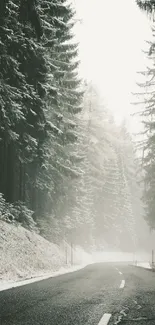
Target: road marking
{"x":123,"y":281}
{"x":122,"y":284}
{"x":118,"y":271}
{"x":105,"y":319}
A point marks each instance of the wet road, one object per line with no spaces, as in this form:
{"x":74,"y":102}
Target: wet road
{"x":83,"y":298}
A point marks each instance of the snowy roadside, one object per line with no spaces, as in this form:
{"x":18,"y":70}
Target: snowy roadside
{"x":145,"y":265}
{"x":143,"y":260}
{"x":26,"y":257}
{"x":5,"y":285}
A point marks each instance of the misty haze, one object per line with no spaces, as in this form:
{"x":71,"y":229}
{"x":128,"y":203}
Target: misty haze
{"x":77,"y":162}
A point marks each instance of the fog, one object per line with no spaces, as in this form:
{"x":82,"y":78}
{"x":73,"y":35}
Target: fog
{"x":110,"y":60}
{"x":73,"y":175}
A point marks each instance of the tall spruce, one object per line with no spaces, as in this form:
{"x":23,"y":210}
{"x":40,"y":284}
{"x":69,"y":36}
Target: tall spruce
{"x":108,"y":177}
{"x":39,"y":98}
{"x":148,"y":118}
{"x":64,"y":98}
{"x":22,"y":109}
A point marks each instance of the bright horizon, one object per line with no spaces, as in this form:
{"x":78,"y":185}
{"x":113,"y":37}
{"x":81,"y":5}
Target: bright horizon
{"x":111,"y":39}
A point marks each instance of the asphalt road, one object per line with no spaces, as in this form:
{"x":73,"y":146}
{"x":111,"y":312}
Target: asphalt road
{"x":83,"y":297}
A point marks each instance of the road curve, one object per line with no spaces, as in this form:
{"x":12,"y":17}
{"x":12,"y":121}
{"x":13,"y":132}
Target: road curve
{"x":83,"y":298}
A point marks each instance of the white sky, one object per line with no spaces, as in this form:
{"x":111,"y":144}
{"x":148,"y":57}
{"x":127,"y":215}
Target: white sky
{"x":112,"y":37}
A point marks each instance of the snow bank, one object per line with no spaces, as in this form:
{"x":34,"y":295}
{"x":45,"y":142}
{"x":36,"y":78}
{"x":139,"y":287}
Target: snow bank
{"x":26,"y":255}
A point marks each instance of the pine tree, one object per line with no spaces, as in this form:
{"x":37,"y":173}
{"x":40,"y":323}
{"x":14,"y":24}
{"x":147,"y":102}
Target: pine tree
{"x":147,"y":116}
{"x":60,"y":166}
{"x":39,"y":98}
{"x":19,"y":104}
{"x":110,"y":175}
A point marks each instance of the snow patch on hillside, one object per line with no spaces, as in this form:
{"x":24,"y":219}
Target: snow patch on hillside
{"x":4,"y":285}
{"x":25,"y":255}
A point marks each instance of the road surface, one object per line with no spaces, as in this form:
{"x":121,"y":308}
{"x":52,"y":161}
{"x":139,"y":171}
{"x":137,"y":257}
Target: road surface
{"x":110,"y":293}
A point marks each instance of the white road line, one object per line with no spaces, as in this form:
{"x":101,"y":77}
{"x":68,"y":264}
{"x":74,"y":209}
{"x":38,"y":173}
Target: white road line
{"x":122,"y":284}
{"x":118,"y":271}
{"x":105,"y":319}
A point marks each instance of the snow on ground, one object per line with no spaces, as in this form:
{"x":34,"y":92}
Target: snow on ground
{"x":25,"y":255}
{"x":146,"y":265}
{"x":143,"y":259}
{"x":4,"y":285}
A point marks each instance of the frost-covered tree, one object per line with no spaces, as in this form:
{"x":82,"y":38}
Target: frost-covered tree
{"x":148,"y":120}
{"x":40,"y":97}
{"x":22,"y":115}
{"x":64,"y":102}
{"x":110,"y":156}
